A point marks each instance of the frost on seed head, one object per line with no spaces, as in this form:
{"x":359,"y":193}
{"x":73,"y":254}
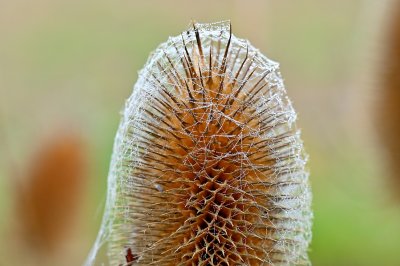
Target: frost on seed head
{"x":208,"y":167}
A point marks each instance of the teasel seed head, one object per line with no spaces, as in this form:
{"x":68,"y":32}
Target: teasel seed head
{"x":208,"y":167}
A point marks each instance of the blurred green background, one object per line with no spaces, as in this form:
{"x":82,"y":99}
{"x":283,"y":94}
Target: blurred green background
{"x":72,"y":64}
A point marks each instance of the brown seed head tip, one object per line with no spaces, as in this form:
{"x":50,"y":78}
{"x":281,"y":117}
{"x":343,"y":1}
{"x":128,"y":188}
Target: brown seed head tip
{"x":208,"y":166}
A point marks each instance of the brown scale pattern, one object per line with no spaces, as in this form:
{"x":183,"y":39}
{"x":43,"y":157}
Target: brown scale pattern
{"x":214,"y":193}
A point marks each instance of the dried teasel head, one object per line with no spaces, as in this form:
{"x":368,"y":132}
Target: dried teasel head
{"x":208,"y":166}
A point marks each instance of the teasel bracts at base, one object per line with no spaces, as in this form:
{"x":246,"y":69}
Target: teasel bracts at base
{"x":208,"y":167}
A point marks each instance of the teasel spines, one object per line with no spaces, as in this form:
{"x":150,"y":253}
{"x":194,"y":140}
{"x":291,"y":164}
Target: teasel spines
{"x":208,"y":166}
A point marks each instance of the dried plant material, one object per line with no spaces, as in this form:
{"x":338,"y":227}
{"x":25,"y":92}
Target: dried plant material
{"x":48,"y":198}
{"x":208,"y":166}
{"x":389,"y":115}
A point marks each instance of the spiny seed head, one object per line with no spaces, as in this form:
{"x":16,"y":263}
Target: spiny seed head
{"x":208,"y":167}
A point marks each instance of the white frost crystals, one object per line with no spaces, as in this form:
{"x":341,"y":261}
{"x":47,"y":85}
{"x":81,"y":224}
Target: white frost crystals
{"x":208,"y":167}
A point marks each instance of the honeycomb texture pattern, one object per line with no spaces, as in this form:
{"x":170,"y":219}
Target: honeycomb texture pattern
{"x":208,"y":166}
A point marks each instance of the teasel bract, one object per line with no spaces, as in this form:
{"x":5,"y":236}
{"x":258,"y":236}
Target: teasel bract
{"x":208,"y":167}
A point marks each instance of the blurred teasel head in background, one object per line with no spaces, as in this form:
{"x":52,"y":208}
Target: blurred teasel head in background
{"x":49,"y":193}
{"x":389,"y":95}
